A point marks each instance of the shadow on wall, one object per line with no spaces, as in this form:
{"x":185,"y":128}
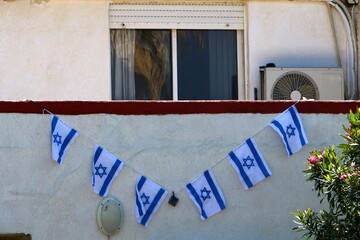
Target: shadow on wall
{"x":298,"y":61}
{"x":15,"y":236}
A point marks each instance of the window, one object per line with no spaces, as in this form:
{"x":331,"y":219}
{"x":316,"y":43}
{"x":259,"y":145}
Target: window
{"x":199,"y":60}
{"x":141,"y":64}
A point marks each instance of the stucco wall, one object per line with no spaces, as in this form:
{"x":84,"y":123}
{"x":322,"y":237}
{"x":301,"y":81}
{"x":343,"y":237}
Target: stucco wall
{"x":56,"y":202}
{"x":54,"y":50}
{"x":293,"y":35}
{"x":59,"y":50}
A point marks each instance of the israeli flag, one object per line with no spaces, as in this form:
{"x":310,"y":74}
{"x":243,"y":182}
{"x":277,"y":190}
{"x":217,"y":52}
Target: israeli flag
{"x":249,"y":163}
{"x":149,"y":197}
{"x":105,"y":169}
{"x":62,"y":136}
{"x":289,"y":126}
{"x":206,"y":195}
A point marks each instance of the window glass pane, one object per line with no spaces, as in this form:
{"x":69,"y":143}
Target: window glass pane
{"x":141,"y":64}
{"x":207,"y":64}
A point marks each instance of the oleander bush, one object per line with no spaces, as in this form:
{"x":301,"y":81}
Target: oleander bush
{"x":337,"y":181}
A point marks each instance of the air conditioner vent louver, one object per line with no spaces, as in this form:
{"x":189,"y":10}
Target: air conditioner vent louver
{"x":294,"y":86}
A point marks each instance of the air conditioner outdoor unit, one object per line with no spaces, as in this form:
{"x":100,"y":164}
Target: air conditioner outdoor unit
{"x":298,"y":83}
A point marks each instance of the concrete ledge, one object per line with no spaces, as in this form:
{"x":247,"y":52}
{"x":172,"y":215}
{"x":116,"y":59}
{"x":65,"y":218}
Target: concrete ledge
{"x":175,"y":107}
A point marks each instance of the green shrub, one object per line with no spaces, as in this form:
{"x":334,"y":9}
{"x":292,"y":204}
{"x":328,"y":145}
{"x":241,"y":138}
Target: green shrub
{"x":337,"y":181}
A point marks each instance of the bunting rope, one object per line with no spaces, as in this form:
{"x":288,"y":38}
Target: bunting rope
{"x":130,"y":166}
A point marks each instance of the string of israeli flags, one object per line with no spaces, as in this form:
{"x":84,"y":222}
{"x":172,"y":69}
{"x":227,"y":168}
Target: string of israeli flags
{"x":199,"y":190}
{"x":132,"y":168}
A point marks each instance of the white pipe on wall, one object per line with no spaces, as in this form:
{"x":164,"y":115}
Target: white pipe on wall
{"x":351,"y":83}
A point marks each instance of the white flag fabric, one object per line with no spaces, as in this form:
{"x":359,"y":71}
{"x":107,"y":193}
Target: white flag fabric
{"x":105,"y":169}
{"x":62,"y":136}
{"x":249,"y":163}
{"x":149,"y":197}
{"x":289,"y":126}
{"x":206,"y":195}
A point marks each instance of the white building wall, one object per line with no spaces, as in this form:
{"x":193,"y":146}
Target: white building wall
{"x":293,"y":35}
{"x":54,"y":50}
{"x":57,"y":202}
{"x":60,"y":50}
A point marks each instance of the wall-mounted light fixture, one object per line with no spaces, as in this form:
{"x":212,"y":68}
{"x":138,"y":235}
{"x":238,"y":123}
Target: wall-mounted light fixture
{"x":109,"y":216}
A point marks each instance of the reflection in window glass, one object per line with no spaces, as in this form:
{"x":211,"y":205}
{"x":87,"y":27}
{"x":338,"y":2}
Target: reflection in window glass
{"x":142,"y":69}
{"x":140,"y":64}
{"x":207,"y":65}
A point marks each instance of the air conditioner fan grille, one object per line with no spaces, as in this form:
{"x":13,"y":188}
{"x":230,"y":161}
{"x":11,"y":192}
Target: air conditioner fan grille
{"x":292,"y":82}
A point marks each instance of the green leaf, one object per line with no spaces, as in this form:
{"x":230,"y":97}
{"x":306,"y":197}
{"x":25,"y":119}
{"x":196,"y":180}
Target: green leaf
{"x":342,"y":196}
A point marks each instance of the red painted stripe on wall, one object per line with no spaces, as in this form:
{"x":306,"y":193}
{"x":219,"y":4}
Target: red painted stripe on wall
{"x":175,"y":107}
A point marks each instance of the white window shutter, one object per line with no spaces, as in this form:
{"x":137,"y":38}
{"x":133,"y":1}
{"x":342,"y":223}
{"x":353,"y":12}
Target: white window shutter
{"x":176,"y":16}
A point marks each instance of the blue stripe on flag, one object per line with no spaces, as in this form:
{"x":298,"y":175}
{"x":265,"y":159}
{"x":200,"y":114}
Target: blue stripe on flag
{"x":53,"y":123}
{"x":138,"y":204}
{"x":65,"y":143}
{"x":242,"y":172}
{"x":298,"y":125}
{"x":257,"y":157}
{"x":214,"y":190}
{"x":197,"y":199}
{"x":96,"y":157}
{"x":141,"y":183}
{"x":152,"y":206}
{"x":109,"y":177}
{"x":139,"y":186}
{"x":278,"y":125}
{"x":97,"y":154}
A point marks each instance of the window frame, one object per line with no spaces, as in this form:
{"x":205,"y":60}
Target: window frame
{"x":198,"y":17}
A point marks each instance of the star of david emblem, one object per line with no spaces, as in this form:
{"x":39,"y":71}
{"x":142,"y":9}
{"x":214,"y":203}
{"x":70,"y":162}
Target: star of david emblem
{"x":145,"y":199}
{"x":248,"y":162}
{"x":205,"y":194}
{"x":57,"y":139}
{"x":290,"y":131}
{"x":100,"y":170}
